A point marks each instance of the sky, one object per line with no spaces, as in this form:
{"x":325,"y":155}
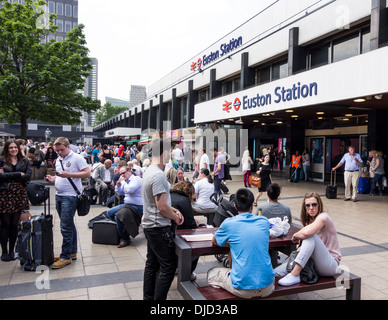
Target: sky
{"x":139,"y":42}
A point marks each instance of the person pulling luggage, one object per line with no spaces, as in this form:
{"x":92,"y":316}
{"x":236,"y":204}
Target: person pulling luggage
{"x":352,"y":161}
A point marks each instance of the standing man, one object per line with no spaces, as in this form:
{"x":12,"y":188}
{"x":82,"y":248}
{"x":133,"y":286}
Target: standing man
{"x":352,"y":161}
{"x":68,"y":165}
{"x":96,"y":151}
{"x":219,"y":171}
{"x":296,"y":165}
{"x":157,"y":219}
{"x":204,"y":162}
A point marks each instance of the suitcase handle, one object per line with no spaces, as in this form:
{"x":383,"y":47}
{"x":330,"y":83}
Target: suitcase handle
{"x":47,"y":196}
{"x":335,"y":177}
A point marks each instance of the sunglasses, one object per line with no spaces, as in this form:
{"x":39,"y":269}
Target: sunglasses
{"x":308,"y":205}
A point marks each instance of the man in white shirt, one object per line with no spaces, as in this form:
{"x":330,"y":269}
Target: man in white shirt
{"x":204,"y":162}
{"x":69,"y":165}
{"x":178,"y":155}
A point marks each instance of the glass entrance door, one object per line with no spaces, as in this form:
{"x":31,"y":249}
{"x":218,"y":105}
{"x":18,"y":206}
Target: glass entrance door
{"x":317,"y":163}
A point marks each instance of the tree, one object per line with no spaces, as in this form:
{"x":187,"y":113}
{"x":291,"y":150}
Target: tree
{"x":41,"y":81}
{"x":108,"y":111}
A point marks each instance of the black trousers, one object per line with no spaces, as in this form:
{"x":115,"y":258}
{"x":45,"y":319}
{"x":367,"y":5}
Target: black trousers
{"x":105,"y":191}
{"x":161,"y":263}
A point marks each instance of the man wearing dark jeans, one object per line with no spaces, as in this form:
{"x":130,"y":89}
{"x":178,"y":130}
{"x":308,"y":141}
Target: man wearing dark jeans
{"x":157,"y":219}
{"x":69,"y":165}
{"x":219,"y":171}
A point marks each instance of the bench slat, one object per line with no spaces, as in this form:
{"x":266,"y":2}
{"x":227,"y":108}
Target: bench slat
{"x":211,"y":293}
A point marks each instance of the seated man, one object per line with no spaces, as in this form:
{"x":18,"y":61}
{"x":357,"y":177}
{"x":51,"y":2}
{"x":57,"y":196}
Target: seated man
{"x":130,"y":185}
{"x":104,"y":180}
{"x":274,"y":209}
{"x":248,"y":237}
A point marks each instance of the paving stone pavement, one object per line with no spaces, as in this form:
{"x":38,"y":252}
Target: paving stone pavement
{"x":105,"y":272}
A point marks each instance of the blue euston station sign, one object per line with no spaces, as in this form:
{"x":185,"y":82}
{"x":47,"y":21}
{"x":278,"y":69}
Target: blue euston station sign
{"x":280,"y":95}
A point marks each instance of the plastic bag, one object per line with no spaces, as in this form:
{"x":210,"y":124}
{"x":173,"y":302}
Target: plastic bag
{"x":279,"y":227}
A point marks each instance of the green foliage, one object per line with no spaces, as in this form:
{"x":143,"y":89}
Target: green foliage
{"x":108,"y":111}
{"x":41,"y":81}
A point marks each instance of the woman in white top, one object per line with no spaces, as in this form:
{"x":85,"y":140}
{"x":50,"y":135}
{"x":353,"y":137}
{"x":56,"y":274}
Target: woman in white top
{"x":246,"y":167}
{"x":204,"y":188}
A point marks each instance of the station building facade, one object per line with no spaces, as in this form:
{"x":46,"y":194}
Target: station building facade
{"x":299,"y":74}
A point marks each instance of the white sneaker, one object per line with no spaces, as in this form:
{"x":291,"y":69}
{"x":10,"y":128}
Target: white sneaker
{"x":289,"y":280}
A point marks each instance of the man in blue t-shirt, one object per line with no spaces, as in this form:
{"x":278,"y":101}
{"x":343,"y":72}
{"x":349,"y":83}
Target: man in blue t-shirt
{"x":247,"y":235}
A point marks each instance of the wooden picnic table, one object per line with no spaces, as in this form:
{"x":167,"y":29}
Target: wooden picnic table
{"x":187,"y":251}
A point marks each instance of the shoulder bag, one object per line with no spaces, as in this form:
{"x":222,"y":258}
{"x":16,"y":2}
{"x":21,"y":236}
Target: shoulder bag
{"x":255,"y":181}
{"x":309,"y":273}
{"x":84,"y":200}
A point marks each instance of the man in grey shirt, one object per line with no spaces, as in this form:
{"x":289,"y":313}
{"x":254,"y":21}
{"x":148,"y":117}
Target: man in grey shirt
{"x":274,"y":209}
{"x":157,"y":221}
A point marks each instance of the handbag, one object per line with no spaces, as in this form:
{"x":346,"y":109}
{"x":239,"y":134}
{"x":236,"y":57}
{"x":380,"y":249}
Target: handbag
{"x":255,"y":181}
{"x":84,"y":200}
{"x":309,"y":273}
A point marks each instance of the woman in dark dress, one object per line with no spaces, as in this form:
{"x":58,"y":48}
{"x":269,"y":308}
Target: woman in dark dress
{"x":15,"y":173}
{"x":264,"y":173}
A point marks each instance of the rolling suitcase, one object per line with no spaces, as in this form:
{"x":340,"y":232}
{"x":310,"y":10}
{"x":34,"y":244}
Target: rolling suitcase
{"x":364,"y":185}
{"x":331,"y":189}
{"x":35,"y":245}
{"x":105,"y":232}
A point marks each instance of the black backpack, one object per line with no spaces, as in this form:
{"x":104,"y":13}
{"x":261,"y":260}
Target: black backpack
{"x":36,"y":193}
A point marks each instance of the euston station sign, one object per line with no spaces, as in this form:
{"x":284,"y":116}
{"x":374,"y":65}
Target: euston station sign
{"x":225,"y":48}
{"x":280,"y":94}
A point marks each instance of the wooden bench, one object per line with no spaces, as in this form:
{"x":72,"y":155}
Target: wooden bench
{"x":353,"y":292}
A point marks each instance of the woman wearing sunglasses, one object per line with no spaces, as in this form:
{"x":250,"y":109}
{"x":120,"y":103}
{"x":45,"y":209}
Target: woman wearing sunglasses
{"x":317,"y":239}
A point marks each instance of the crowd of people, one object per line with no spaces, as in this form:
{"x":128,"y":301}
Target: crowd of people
{"x":154,"y":184}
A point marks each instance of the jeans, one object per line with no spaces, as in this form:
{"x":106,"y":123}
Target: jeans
{"x":378,"y":178}
{"x":66,"y":207}
{"x":217,"y":185}
{"x":161,"y":263}
{"x":306,"y":171}
{"x":124,"y":236}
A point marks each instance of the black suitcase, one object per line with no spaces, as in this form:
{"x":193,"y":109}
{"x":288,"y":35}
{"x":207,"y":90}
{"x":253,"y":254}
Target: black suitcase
{"x":101,"y":217}
{"x":105,"y":232}
{"x":331,"y":190}
{"x":36,"y":193}
{"x":35,"y":244}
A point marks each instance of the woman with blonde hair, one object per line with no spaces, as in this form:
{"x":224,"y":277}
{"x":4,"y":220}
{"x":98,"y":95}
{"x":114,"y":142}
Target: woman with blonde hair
{"x":320,"y":242}
{"x":246,"y":162}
